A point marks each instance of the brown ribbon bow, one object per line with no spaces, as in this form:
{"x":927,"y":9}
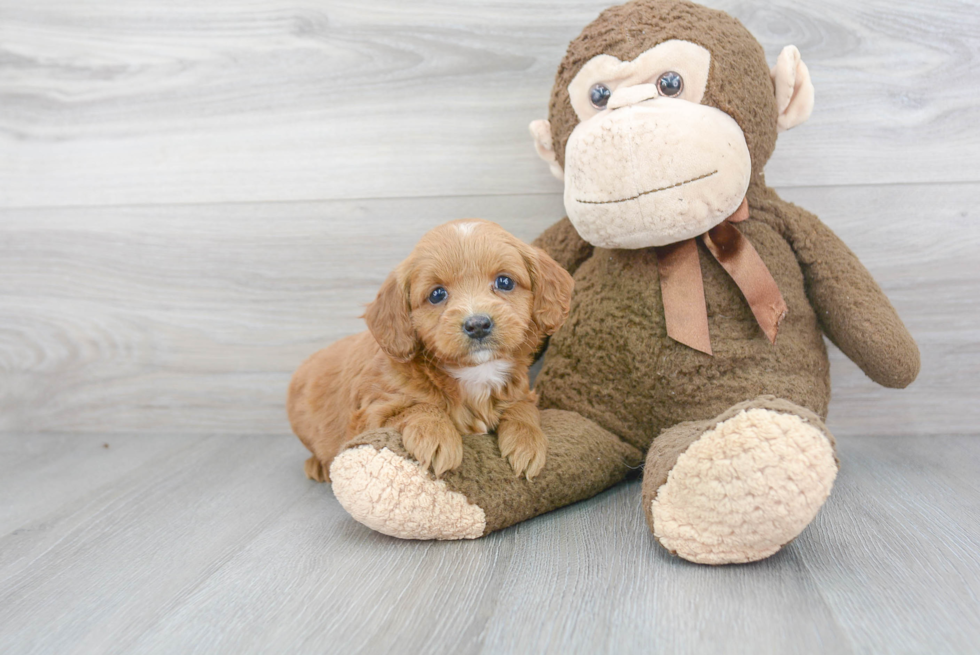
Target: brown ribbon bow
{"x":683,"y":288}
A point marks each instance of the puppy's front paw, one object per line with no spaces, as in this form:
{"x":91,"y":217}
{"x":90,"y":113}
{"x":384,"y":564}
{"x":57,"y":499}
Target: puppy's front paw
{"x":524,"y":445}
{"x":434,"y":443}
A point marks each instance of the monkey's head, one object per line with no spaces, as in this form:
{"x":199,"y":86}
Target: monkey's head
{"x":662,"y":114}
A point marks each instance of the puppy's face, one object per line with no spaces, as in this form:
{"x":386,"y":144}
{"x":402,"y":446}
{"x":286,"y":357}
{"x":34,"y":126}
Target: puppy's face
{"x":469,"y":293}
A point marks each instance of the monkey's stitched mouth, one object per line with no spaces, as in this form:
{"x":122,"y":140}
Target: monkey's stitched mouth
{"x":646,"y":193}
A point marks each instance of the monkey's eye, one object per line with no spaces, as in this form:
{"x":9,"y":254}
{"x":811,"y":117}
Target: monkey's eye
{"x":670,"y":84}
{"x":437,"y":295}
{"x":599,"y":95}
{"x":503,"y":283}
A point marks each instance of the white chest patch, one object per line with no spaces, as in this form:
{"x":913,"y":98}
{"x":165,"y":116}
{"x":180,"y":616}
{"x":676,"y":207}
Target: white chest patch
{"x":480,"y":381}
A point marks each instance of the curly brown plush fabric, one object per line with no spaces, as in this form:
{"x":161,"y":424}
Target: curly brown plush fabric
{"x":613,"y":362}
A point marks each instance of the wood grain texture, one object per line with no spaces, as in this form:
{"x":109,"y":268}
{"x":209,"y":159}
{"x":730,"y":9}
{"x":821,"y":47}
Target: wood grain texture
{"x":187,"y":319}
{"x":192,"y":318}
{"x":67,"y":466}
{"x":109,"y":102}
{"x":222,"y":546}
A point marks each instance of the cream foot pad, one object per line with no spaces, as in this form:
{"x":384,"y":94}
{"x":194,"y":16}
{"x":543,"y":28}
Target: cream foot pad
{"x":394,"y":496}
{"x":745,"y":488}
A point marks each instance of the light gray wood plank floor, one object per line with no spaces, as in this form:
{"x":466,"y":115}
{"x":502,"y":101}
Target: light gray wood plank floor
{"x":136,"y":543}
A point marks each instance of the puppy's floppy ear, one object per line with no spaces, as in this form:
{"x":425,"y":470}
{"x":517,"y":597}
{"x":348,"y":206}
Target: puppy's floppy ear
{"x":552,"y":288}
{"x":390,"y":321}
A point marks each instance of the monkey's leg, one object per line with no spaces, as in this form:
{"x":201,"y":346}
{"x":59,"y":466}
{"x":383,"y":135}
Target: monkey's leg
{"x":381,"y":486}
{"x":738,"y":487}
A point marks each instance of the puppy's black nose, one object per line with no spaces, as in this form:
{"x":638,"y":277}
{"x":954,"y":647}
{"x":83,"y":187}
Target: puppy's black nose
{"x":477,"y":326}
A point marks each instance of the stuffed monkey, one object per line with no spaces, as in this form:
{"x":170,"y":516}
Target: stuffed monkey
{"x":695,"y":344}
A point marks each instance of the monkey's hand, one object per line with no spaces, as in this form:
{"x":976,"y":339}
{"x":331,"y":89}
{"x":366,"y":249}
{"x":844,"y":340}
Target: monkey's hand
{"x":852,"y":309}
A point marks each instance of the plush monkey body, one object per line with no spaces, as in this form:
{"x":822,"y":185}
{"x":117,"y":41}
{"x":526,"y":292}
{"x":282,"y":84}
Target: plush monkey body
{"x":615,"y":364}
{"x":662,"y":117}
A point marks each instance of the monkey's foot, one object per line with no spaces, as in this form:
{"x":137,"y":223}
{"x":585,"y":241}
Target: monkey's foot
{"x":380,"y":485}
{"x":740,"y":487}
{"x":388,"y":491}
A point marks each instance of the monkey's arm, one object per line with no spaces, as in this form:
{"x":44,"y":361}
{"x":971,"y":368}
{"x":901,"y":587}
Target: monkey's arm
{"x":564,"y":245}
{"x":852,"y":309}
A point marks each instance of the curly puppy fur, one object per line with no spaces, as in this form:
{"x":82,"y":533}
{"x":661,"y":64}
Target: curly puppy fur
{"x":416,"y":370}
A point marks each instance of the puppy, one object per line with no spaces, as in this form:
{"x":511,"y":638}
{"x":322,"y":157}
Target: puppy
{"x":451,"y":336}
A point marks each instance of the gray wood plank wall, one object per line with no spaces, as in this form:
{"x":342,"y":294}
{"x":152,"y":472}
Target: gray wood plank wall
{"x":195,"y":196}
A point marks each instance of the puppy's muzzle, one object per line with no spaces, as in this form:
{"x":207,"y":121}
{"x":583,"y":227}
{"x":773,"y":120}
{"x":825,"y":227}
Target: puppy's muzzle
{"x":478,"y":326}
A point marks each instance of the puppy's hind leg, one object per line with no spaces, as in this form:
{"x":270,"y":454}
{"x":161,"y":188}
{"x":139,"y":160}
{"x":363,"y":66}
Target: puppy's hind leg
{"x":324,"y":449}
{"x":316,"y":471}
{"x":316,"y":408}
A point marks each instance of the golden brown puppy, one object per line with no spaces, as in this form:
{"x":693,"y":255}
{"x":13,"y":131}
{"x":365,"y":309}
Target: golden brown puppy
{"x":452,"y":333}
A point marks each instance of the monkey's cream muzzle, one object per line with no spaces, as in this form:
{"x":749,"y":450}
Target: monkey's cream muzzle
{"x":651,"y":171}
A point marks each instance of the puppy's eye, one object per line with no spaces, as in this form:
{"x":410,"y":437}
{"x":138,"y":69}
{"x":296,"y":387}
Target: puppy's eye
{"x":503,"y":283}
{"x":670,"y":84}
{"x":437,"y":295}
{"x":599,"y":95}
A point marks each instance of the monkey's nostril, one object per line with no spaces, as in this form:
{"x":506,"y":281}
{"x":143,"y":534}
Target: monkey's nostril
{"x":477,"y":326}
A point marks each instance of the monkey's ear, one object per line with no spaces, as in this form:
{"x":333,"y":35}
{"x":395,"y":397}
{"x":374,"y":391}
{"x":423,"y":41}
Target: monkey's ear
{"x":390,"y":321}
{"x":794,"y":90}
{"x":541,"y":133}
{"x":552,"y":288}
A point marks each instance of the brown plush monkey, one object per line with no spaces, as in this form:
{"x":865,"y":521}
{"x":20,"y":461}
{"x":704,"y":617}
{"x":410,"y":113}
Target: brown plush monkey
{"x":694,"y":342}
